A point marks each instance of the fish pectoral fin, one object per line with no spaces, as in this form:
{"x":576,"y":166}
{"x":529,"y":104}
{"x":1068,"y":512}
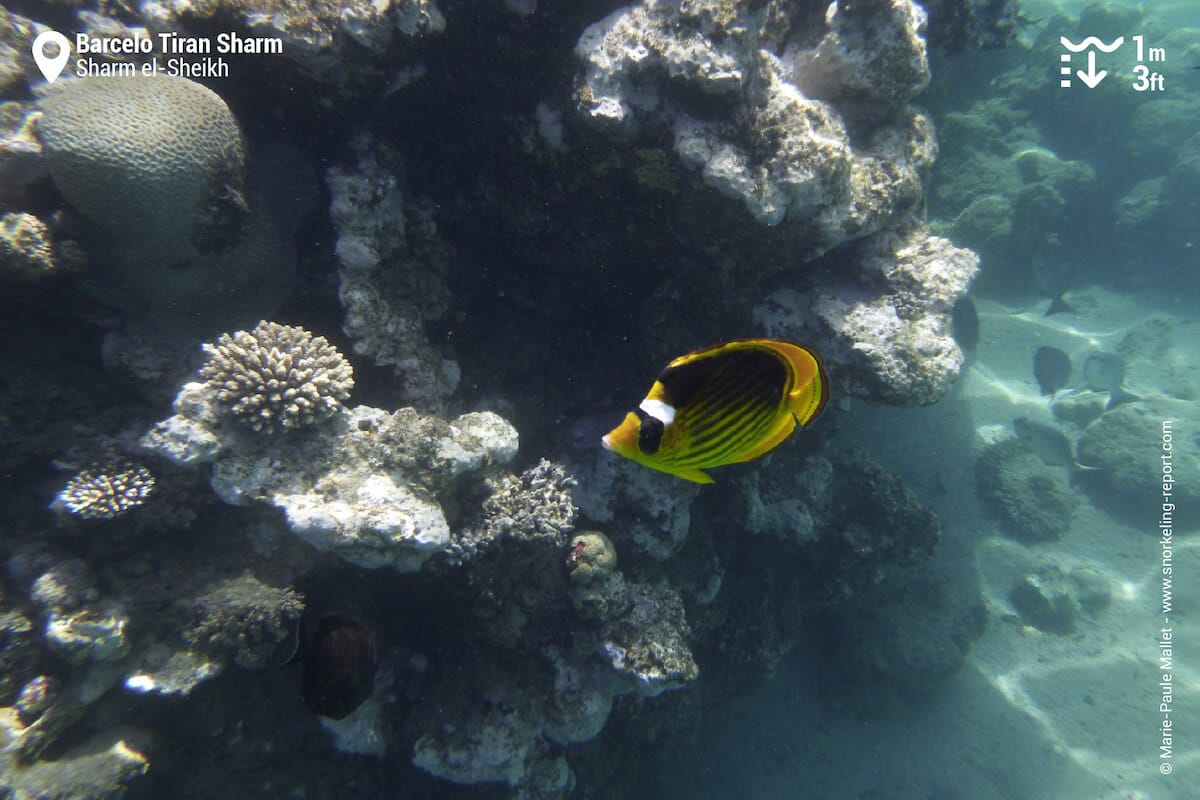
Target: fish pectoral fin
{"x":693,"y":475}
{"x":780,"y":431}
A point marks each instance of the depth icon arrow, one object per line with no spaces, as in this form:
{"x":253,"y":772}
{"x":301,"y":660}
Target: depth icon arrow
{"x":1091,"y":77}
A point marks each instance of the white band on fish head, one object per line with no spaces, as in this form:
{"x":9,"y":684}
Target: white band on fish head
{"x":659,"y":410}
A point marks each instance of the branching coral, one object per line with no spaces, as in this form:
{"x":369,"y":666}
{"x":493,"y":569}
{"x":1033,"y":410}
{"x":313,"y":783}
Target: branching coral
{"x":277,"y":377}
{"x":104,"y":491}
{"x":244,"y":618}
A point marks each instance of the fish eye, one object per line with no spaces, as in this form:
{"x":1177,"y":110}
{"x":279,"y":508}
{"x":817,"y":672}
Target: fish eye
{"x":650,"y":432}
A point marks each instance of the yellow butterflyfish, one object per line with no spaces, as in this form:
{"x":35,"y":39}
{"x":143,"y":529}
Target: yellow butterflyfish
{"x":725,"y":404}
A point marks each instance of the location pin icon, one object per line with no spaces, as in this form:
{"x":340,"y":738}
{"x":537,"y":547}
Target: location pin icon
{"x":51,"y":66}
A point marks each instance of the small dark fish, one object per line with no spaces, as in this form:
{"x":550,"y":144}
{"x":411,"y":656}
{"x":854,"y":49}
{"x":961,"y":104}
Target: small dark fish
{"x":964,"y":323}
{"x":1052,"y":368}
{"x":1045,"y":441}
{"x":1119,"y":397}
{"x":339,"y":659}
{"x":1103,"y":372}
{"x":1059,"y":305}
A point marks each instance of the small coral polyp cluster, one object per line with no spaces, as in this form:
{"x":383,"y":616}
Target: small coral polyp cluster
{"x":277,"y":377}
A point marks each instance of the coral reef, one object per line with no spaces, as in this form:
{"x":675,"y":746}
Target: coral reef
{"x":650,"y":508}
{"x":18,"y":654}
{"x":534,"y":507}
{"x":1031,"y":499}
{"x":322,"y":38}
{"x":957,"y":25}
{"x":1025,"y":222}
{"x":1046,"y":600}
{"x":797,"y":161}
{"x":392,"y":267}
{"x":598,"y":589}
{"x":885,"y":654}
{"x":104,"y":491}
{"x":565,"y":200}
{"x":21,"y":163}
{"x":176,"y":217}
{"x":100,"y":769}
{"x":365,"y":487}
{"x":277,"y":377}
{"x":648,"y":645}
{"x":243,"y":620}
{"x":890,"y":341}
{"x":80,"y":625}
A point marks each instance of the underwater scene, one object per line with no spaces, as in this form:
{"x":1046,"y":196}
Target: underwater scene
{"x":600,"y":399}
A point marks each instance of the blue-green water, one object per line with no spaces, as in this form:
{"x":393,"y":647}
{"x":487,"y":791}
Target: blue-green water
{"x":315,"y":315}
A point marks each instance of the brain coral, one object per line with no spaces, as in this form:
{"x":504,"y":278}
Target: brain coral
{"x":159,"y":155}
{"x":277,"y":377}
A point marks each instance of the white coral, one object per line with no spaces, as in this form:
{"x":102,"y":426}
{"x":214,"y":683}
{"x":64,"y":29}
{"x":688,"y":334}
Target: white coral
{"x":277,"y":377}
{"x":104,"y":491}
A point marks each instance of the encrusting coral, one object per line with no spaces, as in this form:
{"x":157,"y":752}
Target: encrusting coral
{"x":277,"y":377}
{"x":26,"y":251}
{"x":104,"y":491}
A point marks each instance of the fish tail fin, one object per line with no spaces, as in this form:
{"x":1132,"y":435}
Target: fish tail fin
{"x":1059,"y":306}
{"x":1118,"y":397}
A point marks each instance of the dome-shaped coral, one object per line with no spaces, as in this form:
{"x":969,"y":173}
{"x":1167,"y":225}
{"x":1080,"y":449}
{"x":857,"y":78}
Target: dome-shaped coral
{"x":104,"y":491}
{"x":162,"y":156}
{"x":277,"y":377}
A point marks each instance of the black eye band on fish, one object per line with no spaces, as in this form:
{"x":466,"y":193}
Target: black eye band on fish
{"x":650,"y":432}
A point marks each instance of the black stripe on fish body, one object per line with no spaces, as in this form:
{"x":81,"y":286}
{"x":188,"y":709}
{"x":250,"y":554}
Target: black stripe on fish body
{"x":761,"y":379}
{"x":707,"y":417}
{"x":702,"y":421}
{"x":745,"y":391}
{"x":724,"y":423}
{"x":744,"y":434}
{"x":650,"y":432}
{"x":734,"y":436}
{"x":696,"y":380}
